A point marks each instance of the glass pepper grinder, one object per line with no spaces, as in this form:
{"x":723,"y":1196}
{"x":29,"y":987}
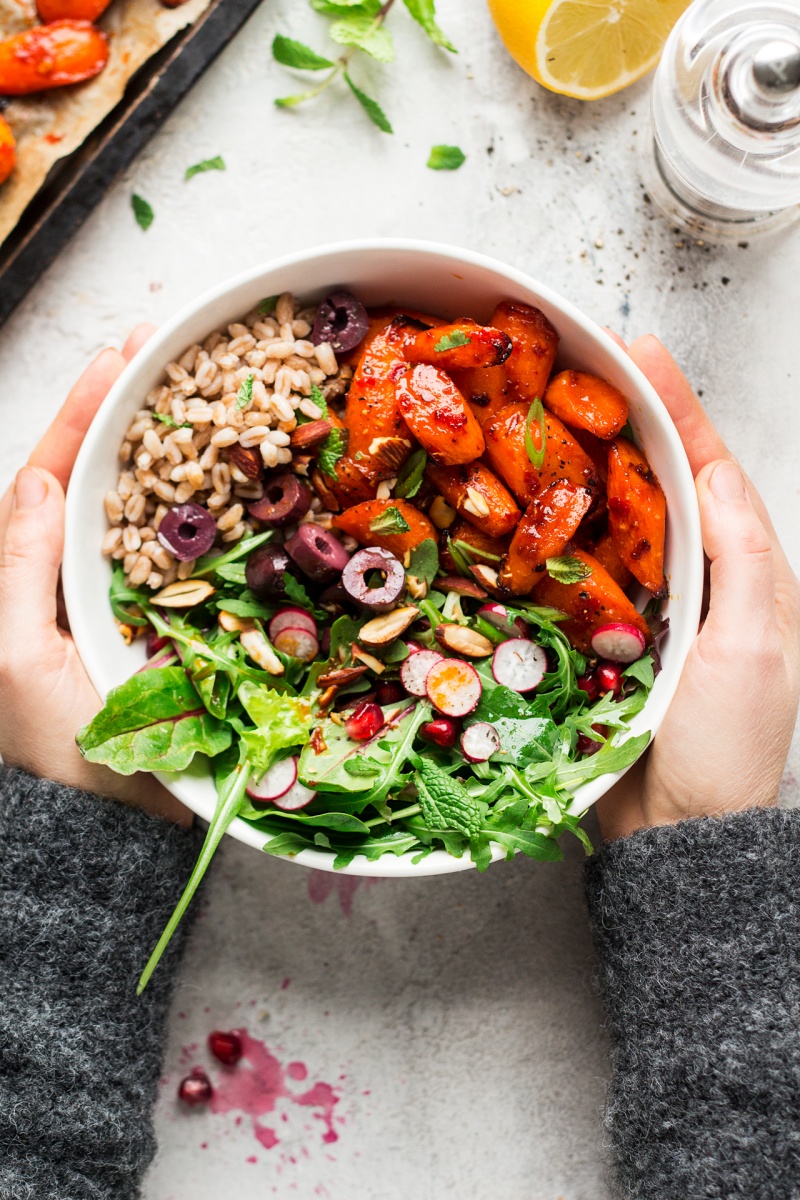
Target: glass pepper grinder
{"x":724,"y":159}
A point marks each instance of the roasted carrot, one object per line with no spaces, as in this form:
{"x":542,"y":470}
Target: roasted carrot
{"x":380,"y":319}
{"x":637,"y":514}
{"x":439,"y":416}
{"x":606,"y":554}
{"x":377,"y":430}
{"x":459,"y":346}
{"x":51,"y":56}
{"x":372,"y":523}
{"x":594,"y":601}
{"x":506,"y":452}
{"x":483,"y":548}
{"x":486,"y":390}
{"x":477,"y":495}
{"x":597,"y":450}
{"x":8,"y":150}
{"x":565,"y":459}
{"x":535,"y":343}
{"x":543,"y":532}
{"x":586,"y":402}
{"x":71,"y":10}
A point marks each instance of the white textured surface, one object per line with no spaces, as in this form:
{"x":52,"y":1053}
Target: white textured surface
{"x":455,"y":1016}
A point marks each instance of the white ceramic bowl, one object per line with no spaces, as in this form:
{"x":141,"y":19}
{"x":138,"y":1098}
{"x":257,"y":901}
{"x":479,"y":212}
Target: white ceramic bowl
{"x":428,"y":276}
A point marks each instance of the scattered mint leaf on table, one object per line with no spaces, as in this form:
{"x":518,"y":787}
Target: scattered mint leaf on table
{"x":567,"y":569}
{"x":391,"y":520}
{"x":217,"y":163}
{"x":329,"y":8}
{"x":370,"y":106}
{"x":451,"y":341}
{"x":363,"y":32}
{"x":245,"y":393}
{"x":142,"y":211}
{"x":424,"y":13}
{"x":290,"y":53}
{"x":446,"y":158}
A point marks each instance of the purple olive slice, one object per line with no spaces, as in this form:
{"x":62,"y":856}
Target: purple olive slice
{"x":341,"y":320}
{"x":187,"y":531}
{"x":318,"y":554}
{"x":363,"y":566}
{"x":285,"y":501}
{"x":264,"y":572}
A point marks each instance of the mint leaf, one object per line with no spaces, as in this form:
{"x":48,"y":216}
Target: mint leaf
{"x":208,"y":164}
{"x":409,"y":481}
{"x":536,"y":433}
{"x":142,"y":211}
{"x":567,"y":569}
{"x":331,"y":450}
{"x":451,"y":341}
{"x":318,"y":399}
{"x":445,"y":802}
{"x":370,"y":106}
{"x":294,"y":54}
{"x":267,"y":306}
{"x":245,"y":393}
{"x":446,"y":158}
{"x":391,"y":520}
{"x":166,"y":419}
{"x":344,"y":8}
{"x":424,"y":13}
{"x":364,"y":33}
{"x":424,"y":562}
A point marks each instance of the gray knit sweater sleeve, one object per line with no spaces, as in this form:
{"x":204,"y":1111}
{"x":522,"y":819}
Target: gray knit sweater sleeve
{"x":86,"y":886}
{"x":698,"y":930}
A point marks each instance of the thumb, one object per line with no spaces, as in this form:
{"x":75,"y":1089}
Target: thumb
{"x":739,"y":549}
{"x":30,"y":557}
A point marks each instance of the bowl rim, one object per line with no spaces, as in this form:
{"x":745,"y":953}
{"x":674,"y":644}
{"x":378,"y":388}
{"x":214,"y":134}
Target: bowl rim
{"x":681,"y":637}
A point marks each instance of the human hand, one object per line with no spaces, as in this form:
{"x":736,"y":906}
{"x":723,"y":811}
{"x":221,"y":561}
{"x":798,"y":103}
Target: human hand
{"x":724,"y":742}
{"x":45,"y":694}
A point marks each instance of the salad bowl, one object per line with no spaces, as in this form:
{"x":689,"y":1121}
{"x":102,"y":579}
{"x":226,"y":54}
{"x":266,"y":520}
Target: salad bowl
{"x":422,"y":276}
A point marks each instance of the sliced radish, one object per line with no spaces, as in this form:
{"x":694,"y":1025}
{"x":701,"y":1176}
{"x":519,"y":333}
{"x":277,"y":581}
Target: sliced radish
{"x":480,"y":742}
{"x":618,"y":642}
{"x":275,"y":782}
{"x":415,"y":668}
{"x":453,"y":687}
{"x":291,"y":618}
{"x":519,"y":664}
{"x":299,"y":643}
{"x":497,"y":615}
{"x":298,"y":796}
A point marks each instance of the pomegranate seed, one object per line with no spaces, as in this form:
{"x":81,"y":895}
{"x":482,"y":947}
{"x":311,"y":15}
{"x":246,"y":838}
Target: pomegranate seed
{"x":609,"y":677}
{"x":196,"y":1088}
{"x":227,"y":1047}
{"x":443,"y":731}
{"x":364,"y":721}
{"x":390,"y":692}
{"x":588,"y":683}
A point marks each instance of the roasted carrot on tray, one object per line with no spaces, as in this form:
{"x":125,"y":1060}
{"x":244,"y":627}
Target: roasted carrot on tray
{"x":51,"y":56}
{"x":8,"y":150}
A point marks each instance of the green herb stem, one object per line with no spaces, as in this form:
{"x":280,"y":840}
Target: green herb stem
{"x":411,"y":811}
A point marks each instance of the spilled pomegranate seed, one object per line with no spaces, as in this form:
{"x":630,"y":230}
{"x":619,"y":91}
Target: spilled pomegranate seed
{"x":195,"y":1088}
{"x":227,"y":1047}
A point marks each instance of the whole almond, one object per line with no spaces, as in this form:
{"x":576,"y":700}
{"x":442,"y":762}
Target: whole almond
{"x":247,"y":459}
{"x":310,"y":434}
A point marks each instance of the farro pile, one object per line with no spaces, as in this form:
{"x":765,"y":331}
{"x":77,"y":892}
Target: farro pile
{"x":192,"y":456}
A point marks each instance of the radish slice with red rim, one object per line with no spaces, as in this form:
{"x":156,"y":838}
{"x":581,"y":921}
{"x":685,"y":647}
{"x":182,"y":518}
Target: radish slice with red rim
{"x":479,"y":742}
{"x":298,"y":796}
{"x":519,"y":664}
{"x":618,"y":642}
{"x":497,"y":615}
{"x":275,"y":782}
{"x":299,"y":643}
{"x":453,"y":687}
{"x":415,"y":668}
{"x":291,"y":618}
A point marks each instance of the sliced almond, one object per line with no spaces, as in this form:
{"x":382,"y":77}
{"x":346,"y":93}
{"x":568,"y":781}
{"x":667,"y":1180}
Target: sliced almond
{"x":441,"y":513}
{"x":487,"y":577}
{"x":463,"y":641}
{"x":461,"y":586}
{"x":384,"y":629}
{"x":259,"y":649}
{"x":369,"y":660}
{"x":416,"y":588}
{"x":341,"y":677}
{"x":184,"y":593}
{"x":233,"y":624}
{"x":476,"y":504}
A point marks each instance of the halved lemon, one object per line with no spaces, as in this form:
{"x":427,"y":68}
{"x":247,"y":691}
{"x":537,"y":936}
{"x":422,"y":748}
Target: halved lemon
{"x":585,"y":48}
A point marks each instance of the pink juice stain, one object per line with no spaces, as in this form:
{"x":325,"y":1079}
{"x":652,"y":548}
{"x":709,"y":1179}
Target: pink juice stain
{"x":322,"y":883}
{"x":259,"y":1082}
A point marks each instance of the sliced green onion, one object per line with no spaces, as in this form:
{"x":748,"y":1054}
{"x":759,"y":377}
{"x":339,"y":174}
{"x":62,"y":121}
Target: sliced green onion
{"x":536,"y":433}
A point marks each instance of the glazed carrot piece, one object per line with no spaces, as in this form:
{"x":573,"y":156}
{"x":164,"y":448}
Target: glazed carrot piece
{"x":597,"y":450}
{"x":637,"y":514}
{"x":71,"y":10}
{"x":547,"y":525}
{"x":506,"y":453}
{"x":459,"y":346}
{"x":51,"y":56}
{"x":485,"y":549}
{"x":565,"y":459}
{"x":535,"y":343}
{"x":8,"y":150}
{"x":486,"y":390}
{"x":380,"y":440}
{"x":594,"y":601}
{"x":379,"y":320}
{"x":439,"y":416}
{"x":477,"y":495}
{"x":359,"y":521}
{"x":606,"y":554}
{"x":586,"y":402}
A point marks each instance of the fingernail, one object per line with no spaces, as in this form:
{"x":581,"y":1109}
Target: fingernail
{"x":727,"y":483}
{"x":29,"y":490}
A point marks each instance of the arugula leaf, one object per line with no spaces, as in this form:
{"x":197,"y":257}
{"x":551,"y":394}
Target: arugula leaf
{"x":339,"y":821}
{"x":362,"y":766}
{"x":297,"y":594}
{"x":142,"y":211}
{"x":409,"y":481}
{"x":536,"y":433}
{"x":424,"y":561}
{"x":155,"y":721}
{"x":211,"y":564}
{"x":424,"y":12}
{"x":331,"y":450}
{"x":295,"y":54}
{"x":535,"y":845}
{"x":446,"y":158}
{"x":245,"y":393}
{"x":567,"y":569}
{"x":450,"y":341}
{"x":361,"y":30}
{"x":217,"y":163}
{"x":344,"y":632}
{"x":281,"y":722}
{"x":120,"y":595}
{"x":391,"y":520}
{"x":247,"y":606}
{"x":322,"y":762}
{"x":642,"y":670}
{"x":608,"y":759}
{"x":370,"y":106}
{"x":287,"y":844}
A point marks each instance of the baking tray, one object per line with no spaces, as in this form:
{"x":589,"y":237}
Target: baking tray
{"x":77,"y":182}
